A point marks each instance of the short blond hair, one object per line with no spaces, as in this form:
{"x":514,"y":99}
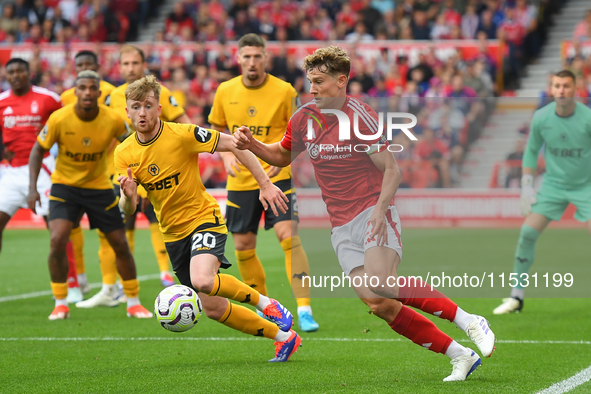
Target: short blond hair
{"x":139,"y":90}
{"x":127,"y":48}
{"x":332,"y":60}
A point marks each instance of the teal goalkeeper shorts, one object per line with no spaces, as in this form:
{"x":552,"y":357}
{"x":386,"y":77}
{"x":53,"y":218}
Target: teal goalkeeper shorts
{"x":552,"y":202}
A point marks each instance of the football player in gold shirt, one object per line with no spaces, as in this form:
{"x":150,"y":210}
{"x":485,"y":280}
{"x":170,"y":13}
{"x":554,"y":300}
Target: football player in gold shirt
{"x":84,"y":60}
{"x":264,"y":103}
{"x":132,"y":63}
{"x":83,"y":132}
{"x":163,"y":157}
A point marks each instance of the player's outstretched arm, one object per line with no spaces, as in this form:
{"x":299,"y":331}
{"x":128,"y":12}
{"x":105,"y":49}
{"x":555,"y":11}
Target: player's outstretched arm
{"x":273,"y":154}
{"x":35,"y":161}
{"x":129,"y":197}
{"x":387,"y":164}
{"x":270,"y":194}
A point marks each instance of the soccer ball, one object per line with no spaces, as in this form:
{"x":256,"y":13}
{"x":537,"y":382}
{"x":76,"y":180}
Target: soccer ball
{"x":178,"y":308}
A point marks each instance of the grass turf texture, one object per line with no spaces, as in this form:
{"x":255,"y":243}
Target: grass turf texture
{"x":188,"y":362}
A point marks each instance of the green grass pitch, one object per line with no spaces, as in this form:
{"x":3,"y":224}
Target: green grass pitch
{"x":101,"y":350}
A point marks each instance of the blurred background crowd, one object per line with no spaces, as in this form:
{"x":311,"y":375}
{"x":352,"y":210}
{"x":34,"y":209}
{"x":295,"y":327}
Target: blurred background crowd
{"x":452,"y":98}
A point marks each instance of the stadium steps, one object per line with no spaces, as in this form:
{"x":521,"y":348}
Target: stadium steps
{"x":511,"y":113}
{"x":550,"y":58}
{"x":496,"y":141}
{"x":146,"y":34}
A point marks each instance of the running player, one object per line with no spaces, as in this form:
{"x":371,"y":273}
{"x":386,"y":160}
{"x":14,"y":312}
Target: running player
{"x":24,"y":109}
{"x":264,"y":103}
{"x":358,"y":188}
{"x":84,"y":60}
{"x":132,"y":65}
{"x":83,"y":132}
{"x":163,"y":157}
{"x":564,"y":128}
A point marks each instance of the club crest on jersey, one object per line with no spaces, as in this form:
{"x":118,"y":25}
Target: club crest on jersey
{"x":252,"y":111}
{"x":153,"y":169}
{"x":86,"y":142}
{"x":173,"y":101}
{"x":34,"y":107}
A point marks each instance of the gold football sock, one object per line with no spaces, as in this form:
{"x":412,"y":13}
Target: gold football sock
{"x":131,"y":287}
{"x":159,"y":248}
{"x":248,"y":322}
{"x":296,"y":266}
{"x":251,"y":270}
{"x":107,"y":260}
{"x":77,"y":239}
{"x":229,"y":287}
{"x":59,"y":290}
{"x":130,"y":235}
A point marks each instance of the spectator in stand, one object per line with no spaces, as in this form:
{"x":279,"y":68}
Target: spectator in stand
{"x":420,"y":26}
{"x":360,"y":34}
{"x":8,"y":22}
{"x":513,"y":165}
{"x":487,"y":25}
{"x":434,"y":150}
{"x":179,"y":17}
{"x":440,"y":29}
{"x":582,"y":27}
{"x":470,"y":22}
{"x":546,"y":95}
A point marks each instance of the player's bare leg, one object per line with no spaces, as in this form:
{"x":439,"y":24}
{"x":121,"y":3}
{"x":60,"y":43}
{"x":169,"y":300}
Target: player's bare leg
{"x":57,"y":261}
{"x":127,"y":270}
{"x":531,"y":229}
{"x":204,"y":276}
{"x":4,"y":218}
{"x":296,"y":266}
{"x":417,"y":328}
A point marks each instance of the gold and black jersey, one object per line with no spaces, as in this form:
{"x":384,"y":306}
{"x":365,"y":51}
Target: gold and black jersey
{"x":83,"y":146}
{"x":68,"y":97}
{"x":167,"y":167}
{"x":170,"y":111}
{"x":265,"y":109}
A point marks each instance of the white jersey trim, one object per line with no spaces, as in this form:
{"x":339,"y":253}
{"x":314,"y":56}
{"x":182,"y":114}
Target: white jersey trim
{"x":46,"y":92}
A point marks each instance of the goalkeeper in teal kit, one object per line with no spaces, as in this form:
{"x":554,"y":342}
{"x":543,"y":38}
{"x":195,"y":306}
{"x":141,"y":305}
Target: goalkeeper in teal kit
{"x":564,"y":129}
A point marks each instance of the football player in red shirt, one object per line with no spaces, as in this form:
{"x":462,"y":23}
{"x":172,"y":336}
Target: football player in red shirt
{"x":24,"y":109}
{"x":358,"y":178}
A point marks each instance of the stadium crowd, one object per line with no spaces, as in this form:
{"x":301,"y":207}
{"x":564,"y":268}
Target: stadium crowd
{"x":445,"y":127}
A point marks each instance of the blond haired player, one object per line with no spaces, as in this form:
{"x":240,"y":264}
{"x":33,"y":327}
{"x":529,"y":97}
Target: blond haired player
{"x":83,"y":132}
{"x":84,"y":60}
{"x":263,"y":103}
{"x":163,"y":157}
{"x":358,"y":188}
{"x":132,"y":65}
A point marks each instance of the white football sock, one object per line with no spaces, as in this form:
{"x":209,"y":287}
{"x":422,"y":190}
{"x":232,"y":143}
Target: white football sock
{"x":282,"y":336}
{"x":132,"y":301}
{"x":463,"y":319}
{"x":456,"y":350}
{"x":263,"y":302}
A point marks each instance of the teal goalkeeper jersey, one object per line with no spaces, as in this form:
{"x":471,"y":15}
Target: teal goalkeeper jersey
{"x":567,"y":148}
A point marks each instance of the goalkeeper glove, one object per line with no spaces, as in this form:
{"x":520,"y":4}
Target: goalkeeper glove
{"x":528,"y":194}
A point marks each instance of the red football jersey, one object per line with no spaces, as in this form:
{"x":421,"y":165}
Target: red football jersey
{"x":22,"y":118}
{"x":348,"y":179}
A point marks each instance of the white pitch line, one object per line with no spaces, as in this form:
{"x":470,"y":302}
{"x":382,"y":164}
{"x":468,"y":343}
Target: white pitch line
{"x":48,"y":292}
{"x":568,"y":384}
{"x":74,"y":339}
